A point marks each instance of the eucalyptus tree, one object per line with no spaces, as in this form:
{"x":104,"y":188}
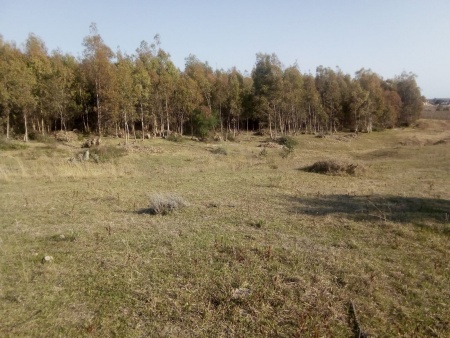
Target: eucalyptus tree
{"x":97,"y":58}
{"x":203,"y":74}
{"x":40,"y":65}
{"x":219,"y":94}
{"x":392,"y":106}
{"x":412,"y":104}
{"x":168,"y":76}
{"x":359,"y":102}
{"x":125,"y":93}
{"x":330,"y":96}
{"x":371,"y":83}
{"x":234,"y":99}
{"x":62,"y":87}
{"x":6,"y":53}
{"x":187,"y":98}
{"x":267,"y":78}
{"x":17,"y":87}
{"x":292,"y":104}
{"x":311,"y":103}
{"x":144,"y":79}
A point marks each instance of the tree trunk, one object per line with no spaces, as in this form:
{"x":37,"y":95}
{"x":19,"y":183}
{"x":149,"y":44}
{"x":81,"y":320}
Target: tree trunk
{"x":7,"y":124}
{"x":25,"y":137}
{"x":142,"y":121}
{"x":99,"y":115}
{"x":167,"y":115}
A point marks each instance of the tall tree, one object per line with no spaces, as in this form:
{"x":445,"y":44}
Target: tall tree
{"x":412,"y":104}
{"x":97,"y":66}
{"x":125,"y":91}
{"x":168,"y":76}
{"x":62,"y":87}
{"x":268,"y":84}
{"x":292,"y":103}
{"x":311,"y":103}
{"x":39,"y":63}
{"x":18,"y":86}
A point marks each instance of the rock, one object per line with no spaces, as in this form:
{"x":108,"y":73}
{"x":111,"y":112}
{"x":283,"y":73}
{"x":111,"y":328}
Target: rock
{"x":47,"y":259}
{"x":86,"y":155}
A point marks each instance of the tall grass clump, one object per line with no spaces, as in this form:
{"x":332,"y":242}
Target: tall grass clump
{"x":165,"y":204}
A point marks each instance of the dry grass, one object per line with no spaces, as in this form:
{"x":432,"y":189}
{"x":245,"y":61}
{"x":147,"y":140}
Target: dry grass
{"x":262,"y":250}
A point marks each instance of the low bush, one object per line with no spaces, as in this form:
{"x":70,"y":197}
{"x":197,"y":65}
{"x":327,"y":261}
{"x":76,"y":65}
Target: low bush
{"x":333,"y":167}
{"x":175,"y":137}
{"x":288,"y":141}
{"x":165,"y":204}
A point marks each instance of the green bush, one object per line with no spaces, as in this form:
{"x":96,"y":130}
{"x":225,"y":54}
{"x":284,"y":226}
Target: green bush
{"x":288,"y":141}
{"x":202,"y":123}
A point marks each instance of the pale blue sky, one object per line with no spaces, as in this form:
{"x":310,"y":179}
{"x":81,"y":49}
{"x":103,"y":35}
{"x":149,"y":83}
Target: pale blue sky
{"x":387,"y":36}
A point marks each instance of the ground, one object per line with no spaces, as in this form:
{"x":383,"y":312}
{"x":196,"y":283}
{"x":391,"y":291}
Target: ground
{"x":262,"y":247}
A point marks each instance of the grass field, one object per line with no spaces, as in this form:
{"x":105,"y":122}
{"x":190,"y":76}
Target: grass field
{"x":262,"y":247}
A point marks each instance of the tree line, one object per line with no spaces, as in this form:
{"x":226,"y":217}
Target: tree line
{"x":118,"y":94}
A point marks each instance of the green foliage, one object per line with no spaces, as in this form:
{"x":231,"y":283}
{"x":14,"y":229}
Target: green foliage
{"x":203,"y":122}
{"x":288,"y":141}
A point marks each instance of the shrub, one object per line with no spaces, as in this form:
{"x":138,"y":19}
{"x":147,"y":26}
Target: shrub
{"x":333,"y":167}
{"x":203,"y":122}
{"x":288,"y":141}
{"x":165,"y":204}
{"x":175,"y":137}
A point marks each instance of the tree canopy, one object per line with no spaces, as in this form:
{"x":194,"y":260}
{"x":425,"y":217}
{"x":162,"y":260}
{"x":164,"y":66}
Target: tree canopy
{"x":111,"y":93}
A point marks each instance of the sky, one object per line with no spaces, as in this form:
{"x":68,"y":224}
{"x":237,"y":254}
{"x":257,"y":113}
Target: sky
{"x":386,"y":36}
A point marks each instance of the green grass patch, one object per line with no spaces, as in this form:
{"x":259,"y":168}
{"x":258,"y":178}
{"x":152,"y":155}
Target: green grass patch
{"x":11,"y":145}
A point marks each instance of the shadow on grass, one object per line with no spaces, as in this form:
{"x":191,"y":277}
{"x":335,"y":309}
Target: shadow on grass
{"x":386,"y":208}
{"x":148,"y":211}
